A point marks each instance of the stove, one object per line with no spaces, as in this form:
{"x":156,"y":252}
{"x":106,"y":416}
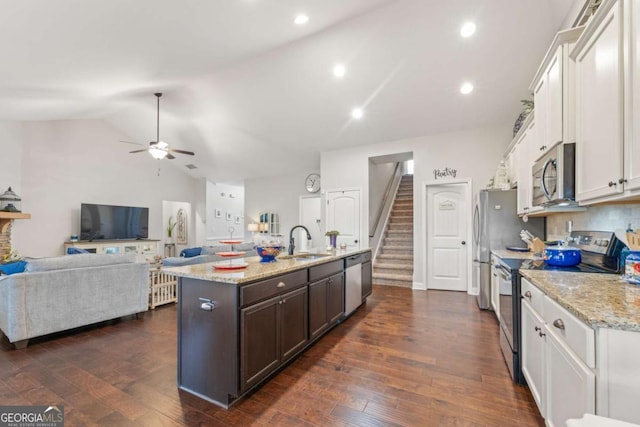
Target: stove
{"x":600,"y":252}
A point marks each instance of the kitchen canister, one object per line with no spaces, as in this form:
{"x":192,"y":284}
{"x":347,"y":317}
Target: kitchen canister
{"x":632,"y":268}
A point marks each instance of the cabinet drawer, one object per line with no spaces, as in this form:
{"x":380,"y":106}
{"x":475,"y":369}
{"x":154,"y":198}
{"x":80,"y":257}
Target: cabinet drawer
{"x":532,"y":295}
{"x":255,"y":292}
{"x":324,"y":270}
{"x":579,"y":337}
{"x":366,"y":257}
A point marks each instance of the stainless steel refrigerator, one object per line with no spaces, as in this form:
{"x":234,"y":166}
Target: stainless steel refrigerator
{"x":496,"y":225}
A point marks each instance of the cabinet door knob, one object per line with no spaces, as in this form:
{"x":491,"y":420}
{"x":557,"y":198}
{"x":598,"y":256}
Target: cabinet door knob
{"x":612,"y":183}
{"x":527,"y":295}
{"x":206,"y":304}
{"x":558,"y":323}
{"x":622,"y":181}
{"x":542,"y":334}
{"x":537,"y":328}
{"x":280,"y":285}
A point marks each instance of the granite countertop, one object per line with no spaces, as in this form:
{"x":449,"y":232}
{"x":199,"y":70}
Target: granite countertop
{"x":600,"y":300}
{"x":507,"y":254}
{"x":255,"y":270}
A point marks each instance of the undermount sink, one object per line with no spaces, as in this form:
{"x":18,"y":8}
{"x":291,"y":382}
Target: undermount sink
{"x":303,"y":256}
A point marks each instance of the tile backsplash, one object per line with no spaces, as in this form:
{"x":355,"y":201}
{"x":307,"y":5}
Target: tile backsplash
{"x":600,"y":218}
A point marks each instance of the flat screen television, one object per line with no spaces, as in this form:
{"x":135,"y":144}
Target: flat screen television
{"x":107,"y":222}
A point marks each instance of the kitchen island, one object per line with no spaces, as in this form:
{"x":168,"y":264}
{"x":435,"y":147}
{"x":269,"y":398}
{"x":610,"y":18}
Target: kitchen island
{"x":238,"y":327}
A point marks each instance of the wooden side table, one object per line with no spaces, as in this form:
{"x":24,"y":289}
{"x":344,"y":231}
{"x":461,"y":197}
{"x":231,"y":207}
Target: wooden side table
{"x":162,"y":286}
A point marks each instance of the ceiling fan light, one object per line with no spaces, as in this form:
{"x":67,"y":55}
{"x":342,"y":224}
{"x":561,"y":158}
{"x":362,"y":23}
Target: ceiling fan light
{"x":158,"y":153}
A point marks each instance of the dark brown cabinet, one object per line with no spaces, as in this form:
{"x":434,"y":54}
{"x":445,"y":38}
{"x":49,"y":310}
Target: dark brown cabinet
{"x":272,"y":331}
{"x":326,"y":304}
{"x":367,"y":280}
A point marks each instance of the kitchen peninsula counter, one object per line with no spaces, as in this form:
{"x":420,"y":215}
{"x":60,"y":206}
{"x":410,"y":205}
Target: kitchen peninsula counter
{"x":599,"y":300}
{"x":255,"y":270}
{"x":236,"y":328}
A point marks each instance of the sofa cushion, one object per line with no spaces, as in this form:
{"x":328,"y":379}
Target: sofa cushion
{"x":78,"y":261}
{"x":244,"y":247}
{"x":190,"y":252}
{"x":180,"y":261}
{"x":212,"y":250}
{"x":12,"y":267}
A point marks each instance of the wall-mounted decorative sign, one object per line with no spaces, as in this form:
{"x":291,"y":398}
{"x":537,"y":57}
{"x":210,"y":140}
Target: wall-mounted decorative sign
{"x":443,"y":173}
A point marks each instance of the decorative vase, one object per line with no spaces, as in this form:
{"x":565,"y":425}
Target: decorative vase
{"x":333,"y":240}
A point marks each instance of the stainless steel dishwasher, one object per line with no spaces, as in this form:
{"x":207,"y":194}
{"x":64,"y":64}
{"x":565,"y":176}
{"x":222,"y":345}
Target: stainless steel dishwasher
{"x":353,"y":280}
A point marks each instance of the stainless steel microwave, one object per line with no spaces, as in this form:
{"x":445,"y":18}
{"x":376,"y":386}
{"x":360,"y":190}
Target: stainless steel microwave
{"x":554,"y":177}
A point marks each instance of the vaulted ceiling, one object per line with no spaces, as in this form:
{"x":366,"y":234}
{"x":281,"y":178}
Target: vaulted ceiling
{"x":253,"y":94}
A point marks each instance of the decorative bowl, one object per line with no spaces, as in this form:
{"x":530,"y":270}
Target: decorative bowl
{"x":268,"y":253}
{"x":562,"y":256}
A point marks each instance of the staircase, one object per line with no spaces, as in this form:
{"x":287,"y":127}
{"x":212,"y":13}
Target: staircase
{"x":393,"y":265}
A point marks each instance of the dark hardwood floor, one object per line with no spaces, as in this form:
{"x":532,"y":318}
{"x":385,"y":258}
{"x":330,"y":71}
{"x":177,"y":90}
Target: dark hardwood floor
{"x":407,"y":358}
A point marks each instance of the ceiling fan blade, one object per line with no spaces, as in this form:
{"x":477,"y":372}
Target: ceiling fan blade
{"x":138,"y":151}
{"x":131,"y":142}
{"x":188,"y":153}
{"x":170,"y":156}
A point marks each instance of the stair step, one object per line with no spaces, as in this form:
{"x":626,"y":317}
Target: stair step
{"x":397,"y":250}
{"x":379,"y":267}
{"x":400,"y":240}
{"x":394,"y":282}
{"x":393,"y":276}
{"x":395,"y":257}
{"x":400,"y":226}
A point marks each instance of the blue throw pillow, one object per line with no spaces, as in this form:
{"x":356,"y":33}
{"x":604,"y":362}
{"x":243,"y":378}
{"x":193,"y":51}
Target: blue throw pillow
{"x":13,"y":267}
{"x":190,"y":252}
{"x":73,"y":250}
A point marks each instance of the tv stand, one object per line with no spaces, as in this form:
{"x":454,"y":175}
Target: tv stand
{"x":145,"y":250}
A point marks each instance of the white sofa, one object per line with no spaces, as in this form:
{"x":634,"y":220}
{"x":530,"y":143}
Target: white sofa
{"x":60,"y":293}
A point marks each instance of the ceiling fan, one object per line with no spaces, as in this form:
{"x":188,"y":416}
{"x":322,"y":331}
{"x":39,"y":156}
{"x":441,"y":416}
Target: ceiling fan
{"x":159,"y":149}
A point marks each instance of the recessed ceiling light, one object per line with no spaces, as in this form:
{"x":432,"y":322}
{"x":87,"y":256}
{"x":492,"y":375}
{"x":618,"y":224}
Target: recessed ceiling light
{"x":466,"y":88}
{"x":357,"y":113}
{"x":339,"y":70}
{"x":301,"y":19}
{"x":468,"y":29}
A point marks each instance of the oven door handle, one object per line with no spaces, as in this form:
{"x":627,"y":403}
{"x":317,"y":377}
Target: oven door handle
{"x":542,"y":178}
{"x":505,"y":270}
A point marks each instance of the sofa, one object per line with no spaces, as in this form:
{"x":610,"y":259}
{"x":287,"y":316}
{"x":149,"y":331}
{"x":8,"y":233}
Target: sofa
{"x":61,"y":293}
{"x":202,"y":254}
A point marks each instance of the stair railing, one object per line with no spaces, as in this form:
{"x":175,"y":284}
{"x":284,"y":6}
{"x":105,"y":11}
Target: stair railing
{"x":376,"y":232}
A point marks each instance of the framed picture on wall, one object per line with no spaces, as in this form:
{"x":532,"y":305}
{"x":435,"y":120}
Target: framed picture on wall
{"x":237,"y":219}
{"x":218,"y":213}
{"x":229,"y":216}
{"x":181,"y":225}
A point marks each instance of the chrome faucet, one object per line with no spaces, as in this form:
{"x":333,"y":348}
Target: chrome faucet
{"x":292,"y":241}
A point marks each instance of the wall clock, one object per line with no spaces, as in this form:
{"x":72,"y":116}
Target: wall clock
{"x":312,"y":183}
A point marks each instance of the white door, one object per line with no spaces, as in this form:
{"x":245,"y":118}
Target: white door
{"x":310,"y":213}
{"x":343,"y":214}
{"x":447,"y":255}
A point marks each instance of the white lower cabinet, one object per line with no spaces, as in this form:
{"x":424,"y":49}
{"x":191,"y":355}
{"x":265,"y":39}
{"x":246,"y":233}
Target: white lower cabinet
{"x":533,"y":354}
{"x":570,"y":384}
{"x":495,"y":288}
{"x":556,"y":348}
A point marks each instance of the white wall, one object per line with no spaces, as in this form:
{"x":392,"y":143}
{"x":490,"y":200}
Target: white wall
{"x":10,"y":156}
{"x":379,"y":176}
{"x":66,"y":163}
{"x":473,"y":153}
{"x":278,"y":194}
{"x":229,"y":201}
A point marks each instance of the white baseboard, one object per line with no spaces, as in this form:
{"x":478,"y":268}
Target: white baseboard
{"x":419,"y":286}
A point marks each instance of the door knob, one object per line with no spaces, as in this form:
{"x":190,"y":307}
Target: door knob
{"x":355,"y":241}
{"x":464,"y":243}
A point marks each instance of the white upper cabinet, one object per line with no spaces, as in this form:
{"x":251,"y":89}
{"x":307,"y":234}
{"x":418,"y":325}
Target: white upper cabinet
{"x":552,"y":89}
{"x":631,"y":179}
{"x":608,"y":104}
{"x":599,"y":97}
{"x":525,"y":162}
